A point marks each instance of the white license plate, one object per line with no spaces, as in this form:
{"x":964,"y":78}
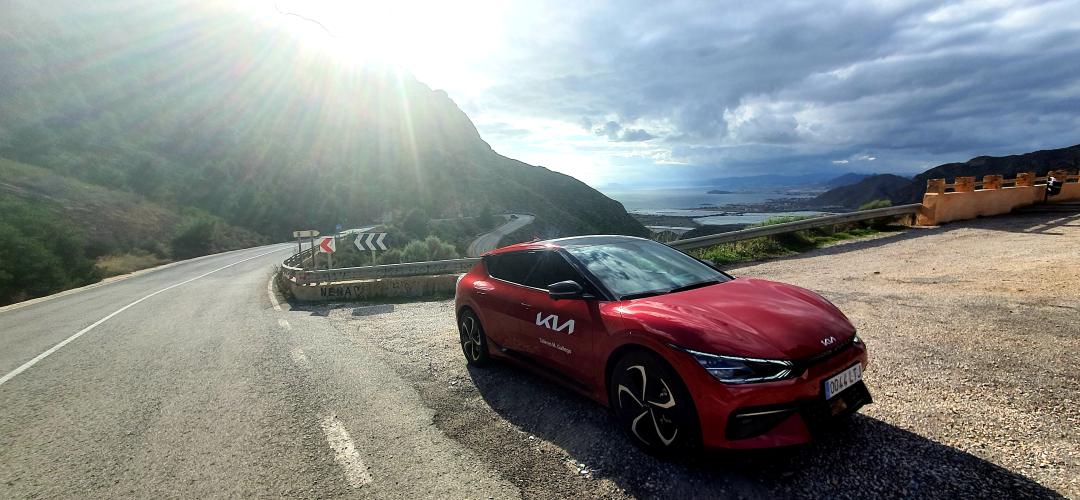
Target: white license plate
{"x":843,"y":380}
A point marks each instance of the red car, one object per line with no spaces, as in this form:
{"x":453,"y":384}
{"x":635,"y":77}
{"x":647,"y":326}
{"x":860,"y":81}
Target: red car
{"x":684,"y":354}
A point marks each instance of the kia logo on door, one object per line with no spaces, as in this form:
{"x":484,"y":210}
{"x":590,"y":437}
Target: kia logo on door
{"x":551,"y":322}
{"x":828,"y":341}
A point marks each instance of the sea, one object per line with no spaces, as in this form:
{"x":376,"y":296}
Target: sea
{"x":704,"y":208}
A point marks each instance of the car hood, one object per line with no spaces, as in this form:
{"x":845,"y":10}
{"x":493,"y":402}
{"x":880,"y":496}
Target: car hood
{"x":742,"y":317}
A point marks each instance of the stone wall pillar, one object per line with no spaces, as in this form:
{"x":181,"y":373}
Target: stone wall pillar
{"x":964,"y":184}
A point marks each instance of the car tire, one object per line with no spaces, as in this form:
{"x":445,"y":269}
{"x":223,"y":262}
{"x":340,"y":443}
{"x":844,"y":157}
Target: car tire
{"x":653,"y":405}
{"x":473,"y":340}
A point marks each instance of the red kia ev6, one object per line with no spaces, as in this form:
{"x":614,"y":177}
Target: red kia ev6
{"x":685,"y":355}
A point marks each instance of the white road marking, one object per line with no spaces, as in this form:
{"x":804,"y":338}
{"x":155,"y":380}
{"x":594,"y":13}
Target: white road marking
{"x":284,"y":323}
{"x":298,"y":357}
{"x":273,"y":296}
{"x":345,"y":452}
{"x":80,"y":333}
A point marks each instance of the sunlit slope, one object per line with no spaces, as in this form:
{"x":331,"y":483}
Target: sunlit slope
{"x":109,"y":221}
{"x":198,"y":105}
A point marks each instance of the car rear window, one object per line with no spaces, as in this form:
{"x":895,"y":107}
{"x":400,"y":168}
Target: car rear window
{"x":513,"y":266}
{"x":553,"y":268}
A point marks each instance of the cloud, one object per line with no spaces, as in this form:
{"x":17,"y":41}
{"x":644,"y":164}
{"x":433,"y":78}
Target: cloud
{"x":792,"y":87}
{"x":615,"y":132}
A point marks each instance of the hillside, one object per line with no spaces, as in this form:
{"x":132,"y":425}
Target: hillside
{"x":204,"y":107}
{"x":845,"y":180}
{"x":875,"y":187}
{"x":55,"y":232}
{"x":902,"y":191}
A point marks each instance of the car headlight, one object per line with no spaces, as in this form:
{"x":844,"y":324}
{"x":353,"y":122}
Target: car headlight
{"x":740,"y":370}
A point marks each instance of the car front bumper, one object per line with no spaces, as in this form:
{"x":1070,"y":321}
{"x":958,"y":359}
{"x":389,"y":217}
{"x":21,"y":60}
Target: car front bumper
{"x":782,"y":413}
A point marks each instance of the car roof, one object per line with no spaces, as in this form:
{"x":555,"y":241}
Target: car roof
{"x":572,"y":241}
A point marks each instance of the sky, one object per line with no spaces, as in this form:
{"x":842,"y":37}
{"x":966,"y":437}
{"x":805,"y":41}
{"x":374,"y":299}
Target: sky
{"x":628,"y":93}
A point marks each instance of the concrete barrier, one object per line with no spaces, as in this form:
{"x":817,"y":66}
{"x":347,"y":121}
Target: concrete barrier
{"x":966,"y":202}
{"x":385,"y":288}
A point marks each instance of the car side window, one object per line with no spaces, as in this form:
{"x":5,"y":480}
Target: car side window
{"x":513,"y":267}
{"x":553,"y":268}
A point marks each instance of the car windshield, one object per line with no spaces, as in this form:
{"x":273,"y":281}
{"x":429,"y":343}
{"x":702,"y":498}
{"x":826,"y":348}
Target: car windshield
{"x":640,"y":268}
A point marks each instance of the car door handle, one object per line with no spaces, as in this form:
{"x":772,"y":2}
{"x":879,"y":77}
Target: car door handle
{"x":526,"y":305}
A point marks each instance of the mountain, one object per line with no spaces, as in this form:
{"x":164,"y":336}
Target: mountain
{"x":1040,"y":162}
{"x":200,"y":104}
{"x":845,"y":180}
{"x":874,"y":187}
{"x":903,"y":191}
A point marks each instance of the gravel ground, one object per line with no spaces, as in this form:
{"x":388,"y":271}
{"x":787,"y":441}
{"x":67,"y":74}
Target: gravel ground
{"x":973,"y":330}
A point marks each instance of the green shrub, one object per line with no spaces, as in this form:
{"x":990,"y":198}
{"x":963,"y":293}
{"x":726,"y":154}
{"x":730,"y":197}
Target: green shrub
{"x":782,"y":244}
{"x":430,"y":248}
{"x":392,"y":256}
{"x":195,"y":238}
{"x":876,"y":223}
{"x":40,"y":253}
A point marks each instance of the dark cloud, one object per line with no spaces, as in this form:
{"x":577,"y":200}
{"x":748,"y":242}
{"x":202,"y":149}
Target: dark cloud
{"x":635,"y":135}
{"x":795,"y":86}
{"x":615,"y":132}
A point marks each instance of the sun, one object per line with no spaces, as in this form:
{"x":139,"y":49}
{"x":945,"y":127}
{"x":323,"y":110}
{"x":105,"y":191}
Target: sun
{"x":437,"y":41}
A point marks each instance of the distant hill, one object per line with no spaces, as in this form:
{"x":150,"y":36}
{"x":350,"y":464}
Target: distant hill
{"x":875,"y":187}
{"x":902,"y":191}
{"x":205,"y":107}
{"x":845,"y":180}
{"x":756,"y":182}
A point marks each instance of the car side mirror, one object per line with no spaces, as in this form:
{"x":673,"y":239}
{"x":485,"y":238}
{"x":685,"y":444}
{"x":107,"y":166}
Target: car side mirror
{"x":568,"y":289}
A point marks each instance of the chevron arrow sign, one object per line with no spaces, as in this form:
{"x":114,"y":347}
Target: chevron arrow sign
{"x":370,"y":241}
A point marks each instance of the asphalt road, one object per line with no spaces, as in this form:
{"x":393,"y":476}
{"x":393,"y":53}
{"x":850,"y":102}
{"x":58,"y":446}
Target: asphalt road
{"x":200,"y":387}
{"x":490,"y":241}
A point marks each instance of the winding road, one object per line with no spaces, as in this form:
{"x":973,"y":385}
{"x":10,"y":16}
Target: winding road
{"x":490,"y":241}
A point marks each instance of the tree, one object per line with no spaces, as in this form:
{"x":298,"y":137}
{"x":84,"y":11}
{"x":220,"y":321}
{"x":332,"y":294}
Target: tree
{"x":416,"y":224}
{"x":486,"y":219}
{"x":195,"y":239}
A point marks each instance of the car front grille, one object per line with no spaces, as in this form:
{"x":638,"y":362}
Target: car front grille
{"x":803,"y":364}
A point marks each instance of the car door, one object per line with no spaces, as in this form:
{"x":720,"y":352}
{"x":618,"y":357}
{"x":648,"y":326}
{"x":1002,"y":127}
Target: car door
{"x":504,"y":299}
{"x":561,"y":332}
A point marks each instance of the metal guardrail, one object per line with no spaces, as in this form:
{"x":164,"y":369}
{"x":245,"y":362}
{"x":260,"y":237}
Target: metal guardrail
{"x":429,"y":268}
{"x":293,"y":266}
{"x":788,"y":227}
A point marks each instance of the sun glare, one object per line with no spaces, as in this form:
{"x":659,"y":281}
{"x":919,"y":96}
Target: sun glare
{"x":436,"y":41}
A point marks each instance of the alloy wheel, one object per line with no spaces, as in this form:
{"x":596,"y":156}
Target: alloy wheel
{"x":652,"y":405}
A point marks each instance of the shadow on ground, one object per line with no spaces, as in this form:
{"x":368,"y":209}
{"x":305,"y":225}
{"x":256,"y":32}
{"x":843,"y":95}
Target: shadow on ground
{"x":863,"y":457}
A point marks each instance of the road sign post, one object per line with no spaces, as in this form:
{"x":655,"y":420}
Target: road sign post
{"x":370,"y":241}
{"x":300,"y":235}
{"x":328,"y":245}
